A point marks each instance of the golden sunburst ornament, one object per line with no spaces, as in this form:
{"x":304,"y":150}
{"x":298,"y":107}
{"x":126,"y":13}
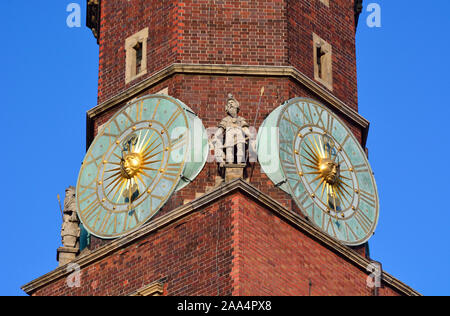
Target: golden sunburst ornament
{"x":319,"y":155}
{"x":136,"y":159}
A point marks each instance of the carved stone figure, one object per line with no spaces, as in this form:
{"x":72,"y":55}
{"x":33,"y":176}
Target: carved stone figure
{"x":231,"y":139}
{"x":70,"y":231}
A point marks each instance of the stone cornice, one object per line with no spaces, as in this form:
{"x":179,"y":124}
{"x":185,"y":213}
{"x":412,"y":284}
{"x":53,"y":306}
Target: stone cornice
{"x":234,"y":70}
{"x":236,"y":186}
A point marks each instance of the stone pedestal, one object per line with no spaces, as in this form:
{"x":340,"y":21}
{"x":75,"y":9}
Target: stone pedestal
{"x":66,"y":255}
{"x":234,"y":171}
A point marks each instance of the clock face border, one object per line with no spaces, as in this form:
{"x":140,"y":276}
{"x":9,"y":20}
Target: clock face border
{"x":165,"y":119}
{"x":316,"y":120}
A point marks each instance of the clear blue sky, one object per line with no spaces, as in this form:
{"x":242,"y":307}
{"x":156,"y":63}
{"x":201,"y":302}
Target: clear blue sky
{"x":49,"y":81}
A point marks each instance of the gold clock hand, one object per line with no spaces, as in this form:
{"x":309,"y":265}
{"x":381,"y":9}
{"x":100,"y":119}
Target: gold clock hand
{"x":129,"y":197}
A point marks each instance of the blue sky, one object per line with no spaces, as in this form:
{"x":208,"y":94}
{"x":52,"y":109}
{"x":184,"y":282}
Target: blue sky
{"x":49,"y":81}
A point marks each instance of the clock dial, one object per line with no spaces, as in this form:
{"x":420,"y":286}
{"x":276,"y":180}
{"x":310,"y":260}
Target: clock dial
{"x":326,"y":171}
{"x":133,"y":166}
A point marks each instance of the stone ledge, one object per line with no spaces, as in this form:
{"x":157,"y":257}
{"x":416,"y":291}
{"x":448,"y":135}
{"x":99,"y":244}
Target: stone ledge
{"x":233,"y":70}
{"x":153,"y":289}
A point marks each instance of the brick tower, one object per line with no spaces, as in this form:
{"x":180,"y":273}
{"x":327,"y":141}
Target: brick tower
{"x":245,"y":237}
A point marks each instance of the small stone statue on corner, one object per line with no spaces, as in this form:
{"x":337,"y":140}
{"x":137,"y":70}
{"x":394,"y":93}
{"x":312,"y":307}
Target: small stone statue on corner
{"x":231,"y":142}
{"x":70,"y":231}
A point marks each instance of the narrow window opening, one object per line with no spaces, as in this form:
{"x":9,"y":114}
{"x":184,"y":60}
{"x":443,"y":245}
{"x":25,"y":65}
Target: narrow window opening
{"x":320,"y":55}
{"x":136,"y":55}
{"x":323,"y":62}
{"x":138,"y":51}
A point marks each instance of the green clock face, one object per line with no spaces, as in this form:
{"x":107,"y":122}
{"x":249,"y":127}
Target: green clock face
{"x":133,"y":166}
{"x":326,"y":171}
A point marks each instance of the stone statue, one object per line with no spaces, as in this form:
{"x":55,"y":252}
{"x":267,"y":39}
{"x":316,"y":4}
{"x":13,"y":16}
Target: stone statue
{"x":70,"y":231}
{"x":232,"y":139}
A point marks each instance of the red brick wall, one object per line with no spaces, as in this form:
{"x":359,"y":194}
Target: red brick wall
{"x":233,"y":32}
{"x":122,"y":19}
{"x":263,"y":32}
{"x":234,"y":246}
{"x":274,"y":258}
{"x":334,"y":24}
{"x":193,"y":255}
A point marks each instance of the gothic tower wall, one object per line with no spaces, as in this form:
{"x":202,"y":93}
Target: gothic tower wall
{"x":246,"y":237}
{"x":258,"y":33}
{"x":202,"y":50}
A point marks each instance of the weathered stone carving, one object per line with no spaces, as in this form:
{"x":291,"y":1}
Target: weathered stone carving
{"x":231,"y":142}
{"x":93,"y":17}
{"x":70,"y":231}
